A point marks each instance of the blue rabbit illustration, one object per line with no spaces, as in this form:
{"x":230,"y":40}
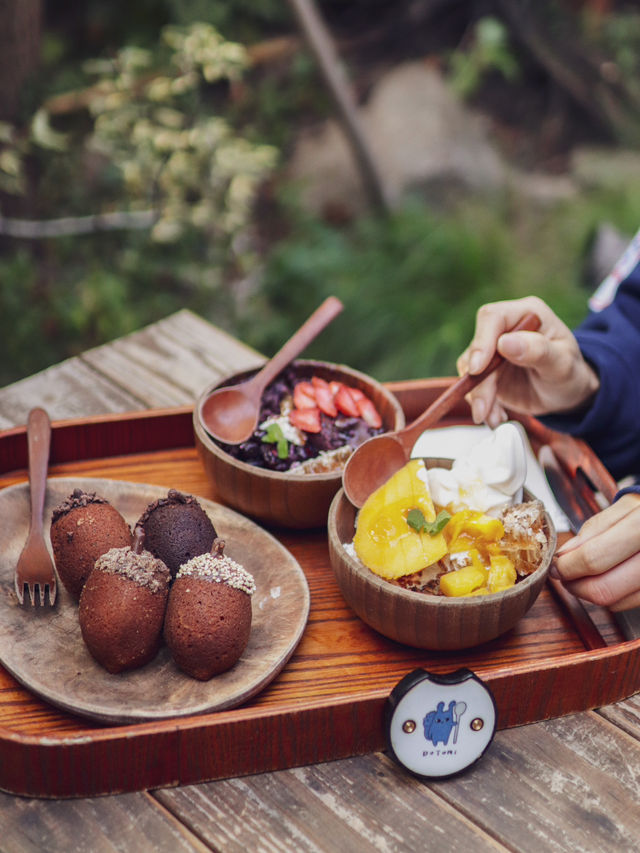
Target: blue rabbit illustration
{"x":439,"y":723}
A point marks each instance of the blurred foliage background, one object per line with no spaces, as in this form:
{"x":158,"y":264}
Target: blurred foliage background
{"x":157,"y":118}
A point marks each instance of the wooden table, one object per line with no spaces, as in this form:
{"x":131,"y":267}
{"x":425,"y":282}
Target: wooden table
{"x":571,"y":783}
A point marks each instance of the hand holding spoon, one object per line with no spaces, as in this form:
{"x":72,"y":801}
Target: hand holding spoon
{"x":378,"y":458}
{"x":230,"y":414}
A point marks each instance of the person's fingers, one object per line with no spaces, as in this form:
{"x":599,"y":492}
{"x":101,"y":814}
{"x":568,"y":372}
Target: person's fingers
{"x":530,"y":349}
{"x":478,"y":409}
{"x":462,"y":363}
{"x":627,"y":602}
{"x":605,"y":521}
{"x":602,"y":563}
{"x":608,"y":541}
{"x":493,"y":320}
{"x":544,"y":370}
{"x":496,"y":416}
{"x":483,"y":398}
{"x":596,"y":555}
{"x":616,"y":587}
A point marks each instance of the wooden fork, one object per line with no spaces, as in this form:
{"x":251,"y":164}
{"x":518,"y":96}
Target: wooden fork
{"x":35,"y":568}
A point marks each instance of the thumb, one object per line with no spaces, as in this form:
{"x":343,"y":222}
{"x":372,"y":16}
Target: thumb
{"x":526,"y":349}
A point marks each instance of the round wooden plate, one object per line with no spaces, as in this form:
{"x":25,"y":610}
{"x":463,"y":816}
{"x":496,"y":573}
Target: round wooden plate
{"x":42,"y":647}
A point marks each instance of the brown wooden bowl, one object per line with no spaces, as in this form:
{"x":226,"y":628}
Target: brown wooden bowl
{"x":280,"y":498}
{"x":419,"y":619}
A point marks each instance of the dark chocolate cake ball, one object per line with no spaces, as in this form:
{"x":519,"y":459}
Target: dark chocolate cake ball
{"x":122,"y":607}
{"x":208,"y":618}
{"x":83,"y":527}
{"x":176,"y":529}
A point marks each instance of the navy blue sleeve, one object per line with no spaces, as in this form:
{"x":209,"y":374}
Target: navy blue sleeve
{"x":610,"y":341}
{"x":628,"y":490}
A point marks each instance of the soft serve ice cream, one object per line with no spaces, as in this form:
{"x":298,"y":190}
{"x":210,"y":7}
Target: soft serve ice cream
{"x":489,"y":476}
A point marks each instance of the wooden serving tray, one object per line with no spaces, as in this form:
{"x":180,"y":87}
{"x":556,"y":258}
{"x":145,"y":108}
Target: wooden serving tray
{"x":329,"y":699}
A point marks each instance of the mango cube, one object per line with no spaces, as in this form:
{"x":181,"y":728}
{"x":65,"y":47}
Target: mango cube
{"x":468,"y":527}
{"x":502,"y":574}
{"x":464,"y":581}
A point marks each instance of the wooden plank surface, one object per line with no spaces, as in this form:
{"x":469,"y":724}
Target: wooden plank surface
{"x":557,"y":786}
{"x":163,"y":365}
{"x":565,"y":784}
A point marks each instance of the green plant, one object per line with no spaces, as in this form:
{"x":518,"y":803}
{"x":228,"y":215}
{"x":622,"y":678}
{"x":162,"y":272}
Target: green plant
{"x":160,"y":144}
{"x":488,"y":50}
{"x":154,"y":125}
{"x":618,"y":34}
{"x":411,"y":284}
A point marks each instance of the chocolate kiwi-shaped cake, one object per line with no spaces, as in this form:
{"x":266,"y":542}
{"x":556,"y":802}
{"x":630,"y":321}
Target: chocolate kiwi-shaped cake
{"x":122,"y":607}
{"x":208,"y":619}
{"x":176,"y":529}
{"x":83,"y":527}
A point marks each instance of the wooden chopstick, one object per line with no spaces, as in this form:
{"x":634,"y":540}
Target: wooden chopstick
{"x":584,"y":625}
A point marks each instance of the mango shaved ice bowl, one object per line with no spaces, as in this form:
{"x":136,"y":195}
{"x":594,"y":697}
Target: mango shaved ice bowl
{"x":479,"y":602}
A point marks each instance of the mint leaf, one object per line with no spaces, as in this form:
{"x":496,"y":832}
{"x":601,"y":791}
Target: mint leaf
{"x":274,"y":435}
{"x":439,"y":523}
{"x":416,"y":519}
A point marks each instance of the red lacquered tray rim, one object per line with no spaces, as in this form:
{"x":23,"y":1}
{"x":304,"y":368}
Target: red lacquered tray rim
{"x":219,"y":745}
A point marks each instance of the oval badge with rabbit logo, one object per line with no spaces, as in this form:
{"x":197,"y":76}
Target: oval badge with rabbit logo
{"x":439,"y":725}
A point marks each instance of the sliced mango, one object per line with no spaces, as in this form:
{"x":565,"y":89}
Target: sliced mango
{"x":454,"y":530}
{"x":383,"y":540}
{"x":502,"y":574}
{"x":485,"y":527}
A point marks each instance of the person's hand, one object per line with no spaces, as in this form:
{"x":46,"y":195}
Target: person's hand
{"x":602,"y":563}
{"x":545,"y":371}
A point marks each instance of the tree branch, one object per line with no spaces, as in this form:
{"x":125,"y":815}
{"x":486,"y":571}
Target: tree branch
{"x":321,"y":45}
{"x":71,"y":226}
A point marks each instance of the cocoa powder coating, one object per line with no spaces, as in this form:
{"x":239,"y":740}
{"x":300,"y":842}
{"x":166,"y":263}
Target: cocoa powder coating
{"x":176,"y":529}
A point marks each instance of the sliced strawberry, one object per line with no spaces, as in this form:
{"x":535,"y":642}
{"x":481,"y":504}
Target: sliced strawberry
{"x":335,"y":386}
{"x":345,"y":402}
{"x":304,"y":396}
{"x":369,"y":413}
{"x":308,"y":420}
{"x":324,"y":397}
{"x":357,"y":394}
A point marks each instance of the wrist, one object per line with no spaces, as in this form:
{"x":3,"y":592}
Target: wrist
{"x":580,"y":391}
{"x":589,"y":385}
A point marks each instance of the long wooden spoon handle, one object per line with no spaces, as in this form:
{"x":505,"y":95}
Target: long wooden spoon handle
{"x":455,"y":392}
{"x":38,"y":440}
{"x":309,"y":330}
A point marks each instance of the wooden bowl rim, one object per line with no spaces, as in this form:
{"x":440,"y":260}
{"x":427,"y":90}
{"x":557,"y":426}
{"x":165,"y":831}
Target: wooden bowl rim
{"x":469,"y":601}
{"x":286,"y":476}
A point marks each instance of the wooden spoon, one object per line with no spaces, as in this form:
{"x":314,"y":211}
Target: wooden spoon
{"x":378,"y":458}
{"x":230,"y":414}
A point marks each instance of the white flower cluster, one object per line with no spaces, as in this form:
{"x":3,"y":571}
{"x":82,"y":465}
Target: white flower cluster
{"x":171,"y":151}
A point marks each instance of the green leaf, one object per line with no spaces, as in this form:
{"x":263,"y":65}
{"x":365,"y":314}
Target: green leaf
{"x":274,"y":435}
{"x":416,"y":519}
